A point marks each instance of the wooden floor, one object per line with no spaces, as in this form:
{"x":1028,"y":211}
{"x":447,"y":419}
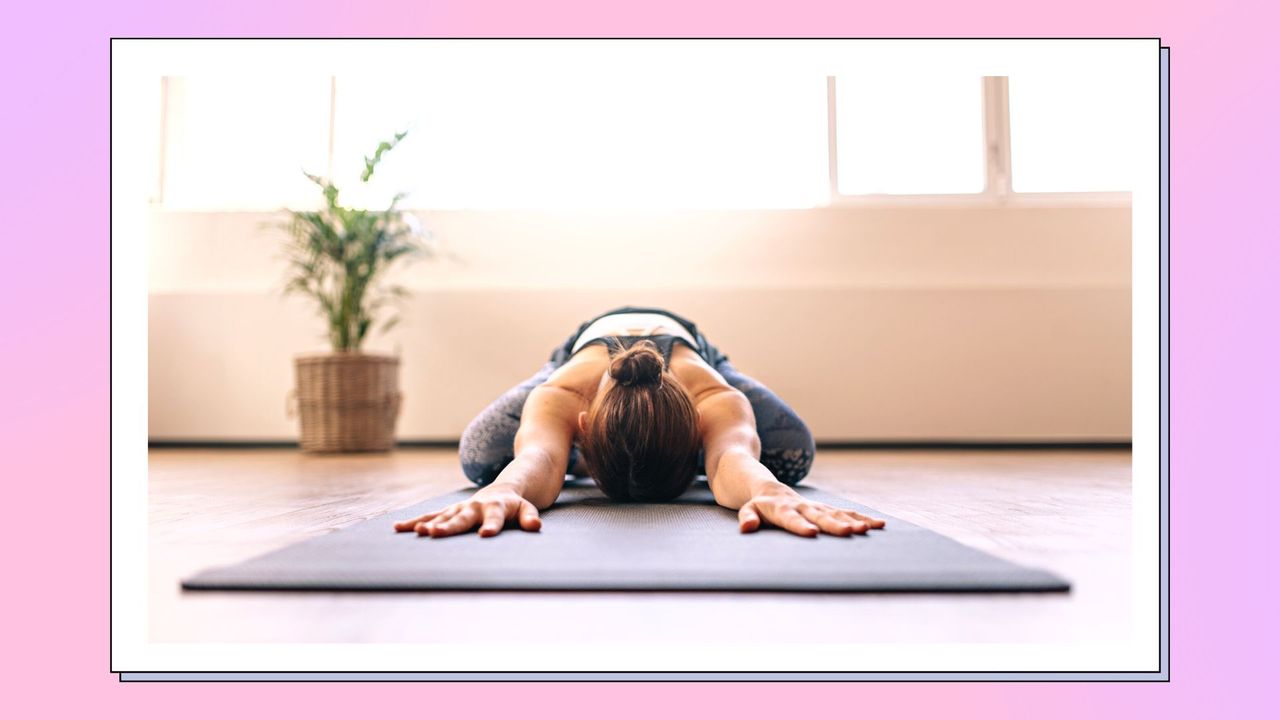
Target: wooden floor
{"x":1067,"y":511}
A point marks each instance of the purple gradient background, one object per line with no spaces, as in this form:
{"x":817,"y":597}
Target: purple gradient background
{"x":53,"y":127}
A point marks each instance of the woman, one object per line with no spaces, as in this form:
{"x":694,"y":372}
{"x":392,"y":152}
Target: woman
{"x":640,"y":401}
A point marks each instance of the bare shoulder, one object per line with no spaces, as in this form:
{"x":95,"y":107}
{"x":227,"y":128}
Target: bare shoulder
{"x":699,"y":379}
{"x":724,"y":413}
{"x":549,"y":415}
{"x":580,"y":376}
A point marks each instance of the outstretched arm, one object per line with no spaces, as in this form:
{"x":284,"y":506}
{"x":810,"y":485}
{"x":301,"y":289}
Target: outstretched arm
{"x":731,"y":450}
{"x":530,"y":482}
{"x":729,"y":441}
{"x":542,"y":444}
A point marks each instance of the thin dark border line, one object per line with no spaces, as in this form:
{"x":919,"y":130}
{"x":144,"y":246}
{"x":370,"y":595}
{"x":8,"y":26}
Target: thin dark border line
{"x":1016,"y":671}
{"x":1142,"y":673}
{"x":1161,"y":675}
{"x":1131,"y":675}
{"x":110,"y":359}
{"x":1165,"y":441}
{"x":612,"y":39}
{"x":645,"y":672}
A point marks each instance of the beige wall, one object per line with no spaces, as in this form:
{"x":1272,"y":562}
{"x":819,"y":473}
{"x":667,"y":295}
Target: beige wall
{"x":890,"y":323}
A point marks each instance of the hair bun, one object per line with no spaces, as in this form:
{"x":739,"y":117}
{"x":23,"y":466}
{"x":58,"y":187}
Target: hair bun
{"x":641,"y":364}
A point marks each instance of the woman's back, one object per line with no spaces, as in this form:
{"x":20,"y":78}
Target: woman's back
{"x":585,"y":371}
{"x":633,"y":324}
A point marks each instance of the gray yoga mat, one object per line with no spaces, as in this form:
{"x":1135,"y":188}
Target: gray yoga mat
{"x":589,"y":543}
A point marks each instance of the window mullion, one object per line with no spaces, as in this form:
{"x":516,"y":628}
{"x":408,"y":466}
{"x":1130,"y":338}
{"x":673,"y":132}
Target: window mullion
{"x":995,"y":115}
{"x":833,"y":168}
{"x":333,"y":109}
{"x":164,"y":141}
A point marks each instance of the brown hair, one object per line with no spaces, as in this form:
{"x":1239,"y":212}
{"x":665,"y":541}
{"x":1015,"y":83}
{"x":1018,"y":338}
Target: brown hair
{"x":641,"y":438}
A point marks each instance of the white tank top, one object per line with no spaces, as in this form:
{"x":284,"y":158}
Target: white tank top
{"x":633,"y":324}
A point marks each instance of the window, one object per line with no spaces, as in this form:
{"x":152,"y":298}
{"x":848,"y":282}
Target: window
{"x":242,"y":142}
{"x":600,"y":138}
{"x":1068,"y":134}
{"x":909,"y":135}
{"x":592,"y":140}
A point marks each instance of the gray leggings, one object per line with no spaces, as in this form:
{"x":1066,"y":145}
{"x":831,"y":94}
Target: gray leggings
{"x":488,"y":444}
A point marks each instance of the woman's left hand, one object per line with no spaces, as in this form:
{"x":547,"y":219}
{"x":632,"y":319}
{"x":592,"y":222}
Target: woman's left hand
{"x":787,"y":509}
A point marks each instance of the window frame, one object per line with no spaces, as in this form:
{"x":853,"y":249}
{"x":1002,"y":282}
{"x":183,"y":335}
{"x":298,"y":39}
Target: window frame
{"x":998,"y":168}
{"x":159,"y":202}
{"x":997,"y":190}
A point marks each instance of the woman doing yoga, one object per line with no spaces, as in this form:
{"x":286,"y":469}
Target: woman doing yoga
{"x":638,"y":400}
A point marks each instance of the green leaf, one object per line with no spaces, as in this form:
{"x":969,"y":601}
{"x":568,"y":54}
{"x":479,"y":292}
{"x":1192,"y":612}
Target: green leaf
{"x":383,"y":147}
{"x":338,"y":255}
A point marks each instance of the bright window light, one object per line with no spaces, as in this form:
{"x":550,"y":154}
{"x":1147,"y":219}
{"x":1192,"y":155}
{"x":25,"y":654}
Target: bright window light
{"x":909,"y":135}
{"x":1068,"y":134}
{"x":242,"y":142}
{"x":591,"y":140}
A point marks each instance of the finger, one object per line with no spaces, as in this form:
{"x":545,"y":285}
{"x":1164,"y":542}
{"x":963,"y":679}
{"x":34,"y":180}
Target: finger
{"x":748,"y":518}
{"x":792,"y":521}
{"x":464,"y":520}
{"x":424,"y":528}
{"x":494,"y":519}
{"x":404,"y":525}
{"x":876,"y":523}
{"x":528,"y":514}
{"x":829,"y":522}
{"x":853,"y":519}
{"x":467,"y":518}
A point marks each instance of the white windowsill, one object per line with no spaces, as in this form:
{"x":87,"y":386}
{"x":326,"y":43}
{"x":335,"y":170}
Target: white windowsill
{"x":987,"y":200}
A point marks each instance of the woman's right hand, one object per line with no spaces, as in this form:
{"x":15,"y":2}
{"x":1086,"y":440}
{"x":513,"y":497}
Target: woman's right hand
{"x":489,"y":509}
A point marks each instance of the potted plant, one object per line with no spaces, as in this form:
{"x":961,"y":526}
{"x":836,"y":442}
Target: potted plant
{"x":347,"y":399}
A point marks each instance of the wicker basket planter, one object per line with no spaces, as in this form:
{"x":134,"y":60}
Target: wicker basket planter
{"x":347,"y":401}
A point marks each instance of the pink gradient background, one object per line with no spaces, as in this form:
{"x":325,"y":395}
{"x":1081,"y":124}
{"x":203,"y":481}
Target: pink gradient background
{"x":55,"y":425}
